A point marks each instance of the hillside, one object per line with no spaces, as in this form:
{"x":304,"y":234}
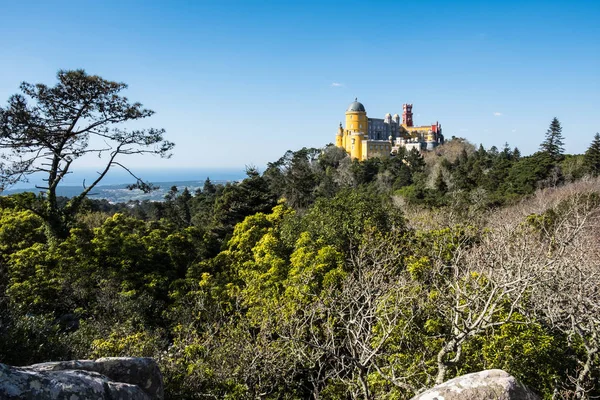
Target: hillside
{"x":324,"y":277}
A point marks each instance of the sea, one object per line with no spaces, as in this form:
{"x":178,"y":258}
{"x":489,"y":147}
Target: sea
{"x":113,"y":186}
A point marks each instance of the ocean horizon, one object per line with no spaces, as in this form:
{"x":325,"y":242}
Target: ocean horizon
{"x":113,"y":187}
{"x":154,"y":175}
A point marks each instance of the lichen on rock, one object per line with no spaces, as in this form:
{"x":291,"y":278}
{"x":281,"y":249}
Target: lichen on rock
{"x":484,"y":385}
{"x":106,"y":378}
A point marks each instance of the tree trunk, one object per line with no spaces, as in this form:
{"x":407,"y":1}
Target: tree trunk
{"x":364,"y":384}
{"x":442,"y":365}
{"x":583,"y":375}
{"x":56,"y":229}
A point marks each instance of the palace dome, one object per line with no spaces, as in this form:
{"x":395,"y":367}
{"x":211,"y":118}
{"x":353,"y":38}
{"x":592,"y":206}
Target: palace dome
{"x":356,"y":106}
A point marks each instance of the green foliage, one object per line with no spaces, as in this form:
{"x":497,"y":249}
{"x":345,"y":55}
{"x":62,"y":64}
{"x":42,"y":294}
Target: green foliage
{"x":123,"y":341}
{"x":238,"y":296}
{"x":533,"y":354}
{"x":574,"y":167}
{"x":414,"y":159}
{"x":314,"y":267}
{"x":592,"y":156}
{"x":342,"y":220}
{"x":365,"y":171}
{"x":177,"y":207}
{"x":553,"y":144}
{"x":35,"y":284}
{"x":525,"y":175}
{"x":295,"y":176}
{"x":238,"y":201}
{"x":18,"y":231}
{"x":31,"y":338}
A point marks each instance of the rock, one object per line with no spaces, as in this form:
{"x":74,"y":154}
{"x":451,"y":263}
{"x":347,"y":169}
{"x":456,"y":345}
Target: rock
{"x":490,"y":384}
{"x":106,"y":378}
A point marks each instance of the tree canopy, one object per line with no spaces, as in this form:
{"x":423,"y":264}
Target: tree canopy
{"x":46,"y":129}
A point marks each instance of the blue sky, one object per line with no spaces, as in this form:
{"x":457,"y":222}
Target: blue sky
{"x":238,"y":83}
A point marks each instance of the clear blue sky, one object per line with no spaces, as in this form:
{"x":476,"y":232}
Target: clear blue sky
{"x":240,"y":82}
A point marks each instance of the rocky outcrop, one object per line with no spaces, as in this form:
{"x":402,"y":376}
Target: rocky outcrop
{"x":493,"y":384}
{"x":106,"y":378}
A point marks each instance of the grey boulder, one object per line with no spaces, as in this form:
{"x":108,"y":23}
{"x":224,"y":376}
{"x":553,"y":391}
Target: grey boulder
{"x":120,"y":378}
{"x":489,"y":384}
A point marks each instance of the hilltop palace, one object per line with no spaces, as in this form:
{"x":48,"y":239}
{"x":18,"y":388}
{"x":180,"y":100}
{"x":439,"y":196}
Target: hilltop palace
{"x":366,"y":138}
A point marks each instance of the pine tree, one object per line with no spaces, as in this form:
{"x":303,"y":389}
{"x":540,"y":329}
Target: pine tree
{"x":516,"y":154}
{"x":506,"y":152}
{"x":46,"y":130}
{"x":463,"y":157}
{"x":481,"y":151}
{"x":208,"y":187}
{"x":592,"y":156}
{"x":415,"y":160}
{"x":440,"y":183}
{"x":553,"y":144}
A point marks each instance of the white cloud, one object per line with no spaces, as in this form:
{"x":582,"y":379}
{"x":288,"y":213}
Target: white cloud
{"x":337,"y":84}
{"x":514,"y":130}
{"x":497,"y":114}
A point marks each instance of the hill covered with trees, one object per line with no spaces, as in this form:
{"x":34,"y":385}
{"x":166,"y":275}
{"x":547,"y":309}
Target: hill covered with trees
{"x":323,"y":277}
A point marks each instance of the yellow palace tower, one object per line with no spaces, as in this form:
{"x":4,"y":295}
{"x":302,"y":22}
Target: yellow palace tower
{"x":356,"y":125}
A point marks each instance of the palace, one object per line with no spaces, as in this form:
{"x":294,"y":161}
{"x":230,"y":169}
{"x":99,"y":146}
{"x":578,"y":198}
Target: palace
{"x":366,"y":137}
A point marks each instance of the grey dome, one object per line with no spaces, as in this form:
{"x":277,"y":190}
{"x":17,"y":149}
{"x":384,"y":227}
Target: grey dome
{"x":356,"y":106}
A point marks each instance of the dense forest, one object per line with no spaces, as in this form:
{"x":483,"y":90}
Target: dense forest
{"x":322,"y":277}
{"x":325,"y":277}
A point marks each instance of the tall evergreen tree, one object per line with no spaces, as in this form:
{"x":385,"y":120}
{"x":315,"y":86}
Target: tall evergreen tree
{"x":516,"y":154}
{"x":440,"y":184}
{"x":208,"y":187}
{"x":592,"y":156}
{"x":553,"y":144}
{"x":415,"y":160}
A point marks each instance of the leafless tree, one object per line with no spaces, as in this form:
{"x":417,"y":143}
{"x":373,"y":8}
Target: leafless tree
{"x":491,"y":271}
{"x":569,"y":299}
{"x":482,"y":287}
{"x":347,"y":327}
